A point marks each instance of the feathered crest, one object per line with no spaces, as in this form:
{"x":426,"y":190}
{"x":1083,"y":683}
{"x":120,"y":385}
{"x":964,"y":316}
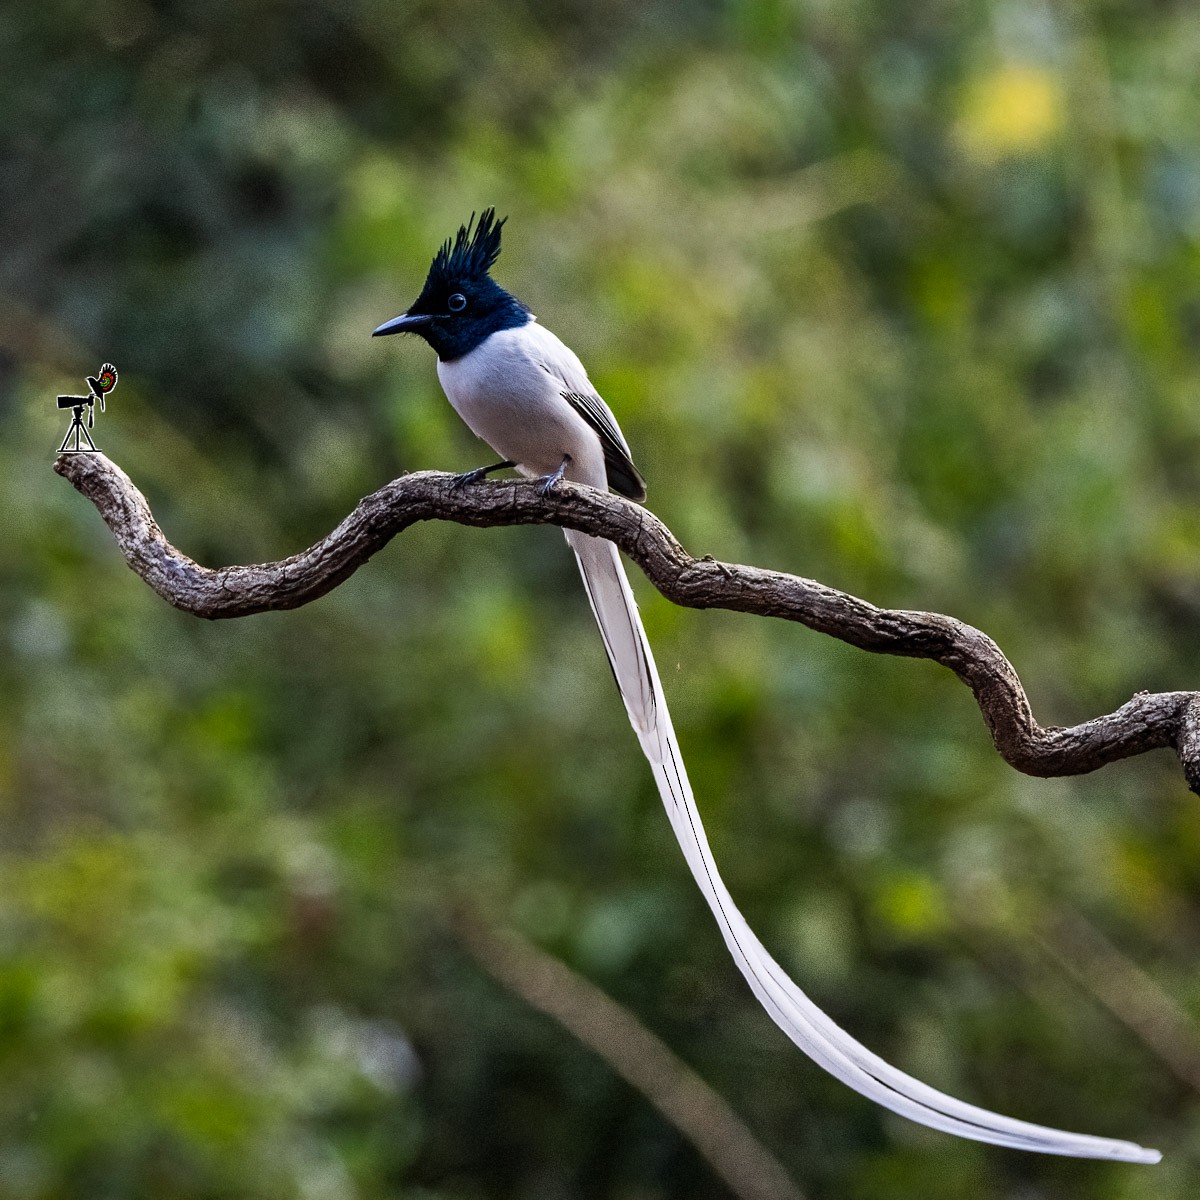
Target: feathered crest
{"x":107,"y":378}
{"x":471,"y":255}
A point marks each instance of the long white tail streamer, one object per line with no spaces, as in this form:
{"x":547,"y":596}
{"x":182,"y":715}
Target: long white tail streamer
{"x":811,"y":1029}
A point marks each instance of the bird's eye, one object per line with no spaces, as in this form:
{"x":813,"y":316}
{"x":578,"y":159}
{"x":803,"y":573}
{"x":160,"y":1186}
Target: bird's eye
{"x":457,"y":302}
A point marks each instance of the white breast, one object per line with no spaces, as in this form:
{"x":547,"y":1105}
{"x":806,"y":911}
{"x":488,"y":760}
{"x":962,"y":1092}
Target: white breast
{"x":508,"y":395}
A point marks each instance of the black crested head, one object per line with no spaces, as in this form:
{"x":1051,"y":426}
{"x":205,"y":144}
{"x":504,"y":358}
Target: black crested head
{"x":461,"y":305}
{"x":471,"y":255}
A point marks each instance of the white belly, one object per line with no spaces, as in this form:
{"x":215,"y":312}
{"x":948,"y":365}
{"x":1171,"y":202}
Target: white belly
{"x":509,"y":399}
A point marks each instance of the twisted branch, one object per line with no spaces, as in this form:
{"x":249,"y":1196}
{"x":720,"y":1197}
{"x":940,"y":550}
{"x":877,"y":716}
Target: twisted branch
{"x":1149,"y":721}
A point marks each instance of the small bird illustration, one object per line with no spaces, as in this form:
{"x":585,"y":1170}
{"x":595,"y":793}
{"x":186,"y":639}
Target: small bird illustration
{"x":104,"y":384}
{"x":525,"y":394}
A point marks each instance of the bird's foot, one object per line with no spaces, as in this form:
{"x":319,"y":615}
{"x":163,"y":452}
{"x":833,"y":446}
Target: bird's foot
{"x":469,"y":477}
{"x":551,"y":481}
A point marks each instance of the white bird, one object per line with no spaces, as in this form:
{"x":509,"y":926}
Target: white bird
{"x":528,"y":396}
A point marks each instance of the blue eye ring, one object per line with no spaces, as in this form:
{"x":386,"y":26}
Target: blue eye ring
{"x":457,"y":302}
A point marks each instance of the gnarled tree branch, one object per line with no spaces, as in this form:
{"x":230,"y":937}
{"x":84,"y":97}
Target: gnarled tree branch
{"x":1149,"y":721}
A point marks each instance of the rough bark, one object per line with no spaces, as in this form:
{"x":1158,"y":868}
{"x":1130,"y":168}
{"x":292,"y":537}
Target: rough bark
{"x":1148,"y":721}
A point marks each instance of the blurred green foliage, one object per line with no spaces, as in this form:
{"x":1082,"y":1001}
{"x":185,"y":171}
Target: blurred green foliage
{"x":905,"y":298}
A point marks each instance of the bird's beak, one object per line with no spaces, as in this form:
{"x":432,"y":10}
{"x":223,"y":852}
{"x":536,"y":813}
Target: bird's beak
{"x":404,"y":323}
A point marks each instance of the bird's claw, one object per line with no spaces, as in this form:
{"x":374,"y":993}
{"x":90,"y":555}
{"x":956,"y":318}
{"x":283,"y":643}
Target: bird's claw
{"x":552,"y":480}
{"x":467,"y":478}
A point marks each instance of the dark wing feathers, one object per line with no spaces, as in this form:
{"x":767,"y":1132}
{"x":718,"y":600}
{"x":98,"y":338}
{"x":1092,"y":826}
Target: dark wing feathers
{"x":107,"y":379}
{"x":623,"y":476}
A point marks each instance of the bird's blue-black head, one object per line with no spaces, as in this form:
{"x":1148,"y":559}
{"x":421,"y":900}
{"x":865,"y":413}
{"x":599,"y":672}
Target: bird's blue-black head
{"x":461,"y":305}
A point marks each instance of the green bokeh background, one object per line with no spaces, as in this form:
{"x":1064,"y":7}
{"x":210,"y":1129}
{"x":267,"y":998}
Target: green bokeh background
{"x":901,"y":297}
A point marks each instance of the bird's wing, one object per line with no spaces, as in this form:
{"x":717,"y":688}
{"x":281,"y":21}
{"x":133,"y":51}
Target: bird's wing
{"x":623,"y":476}
{"x":107,"y":379}
{"x":562,"y":364}
{"x":808,"y":1027}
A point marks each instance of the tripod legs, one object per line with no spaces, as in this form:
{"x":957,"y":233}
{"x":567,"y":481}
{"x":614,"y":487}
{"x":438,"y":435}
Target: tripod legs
{"x":77,"y":429}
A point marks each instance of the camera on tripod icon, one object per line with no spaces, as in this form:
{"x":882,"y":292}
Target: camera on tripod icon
{"x":99,"y":385}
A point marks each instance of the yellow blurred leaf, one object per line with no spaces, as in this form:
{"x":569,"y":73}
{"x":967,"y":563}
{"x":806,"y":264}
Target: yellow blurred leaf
{"x":912,"y":904}
{"x":1012,"y":110}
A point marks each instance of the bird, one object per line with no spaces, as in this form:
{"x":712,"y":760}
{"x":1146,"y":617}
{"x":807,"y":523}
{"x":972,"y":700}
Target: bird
{"x":527,"y":395}
{"x":100,"y":387}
